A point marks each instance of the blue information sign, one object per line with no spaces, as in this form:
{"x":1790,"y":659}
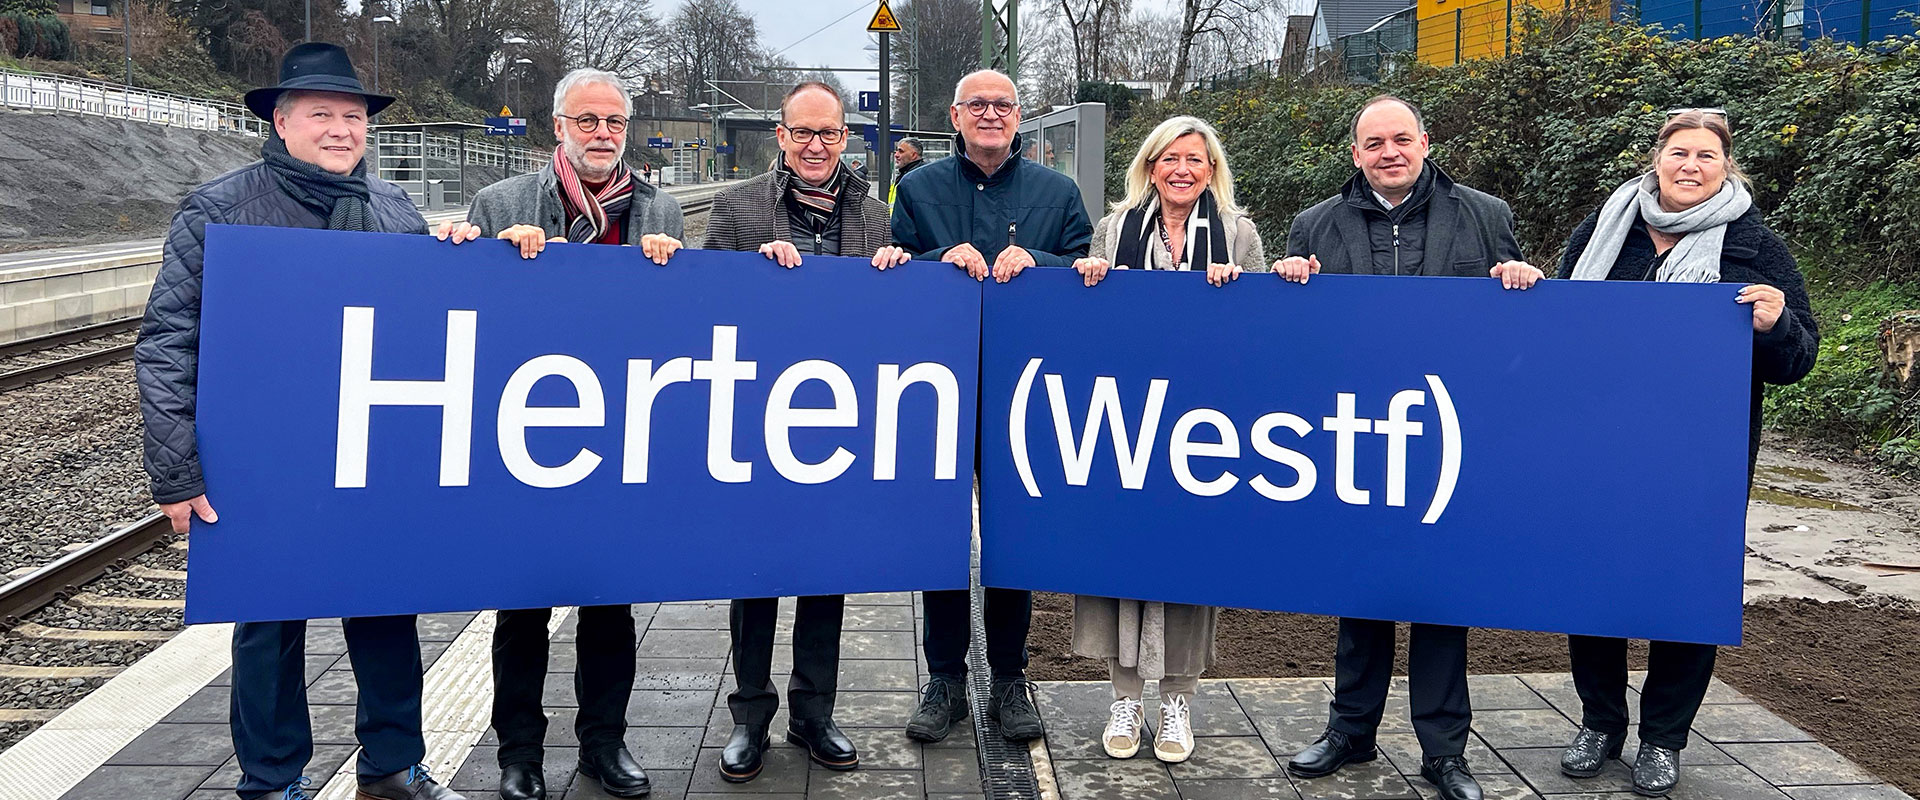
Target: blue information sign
{"x":870,"y":101}
{"x":1570,"y":458}
{"x":506,"y":126}
{"x":582,"y":429}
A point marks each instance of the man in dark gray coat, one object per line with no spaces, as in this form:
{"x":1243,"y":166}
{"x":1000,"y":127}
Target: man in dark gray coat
{"x":587,"y":194}
{"x":808,"y":204}
{"x":1401,"y":215}
{"x":312,"y":174}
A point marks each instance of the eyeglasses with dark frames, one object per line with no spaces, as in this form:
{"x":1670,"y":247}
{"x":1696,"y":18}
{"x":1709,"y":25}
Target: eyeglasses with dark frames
{"x":978,"y":107}
{"x":588,"y":123}
{"x":805,"y":135}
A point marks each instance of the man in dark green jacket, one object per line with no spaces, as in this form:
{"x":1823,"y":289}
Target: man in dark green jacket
{"x":985,"y":209}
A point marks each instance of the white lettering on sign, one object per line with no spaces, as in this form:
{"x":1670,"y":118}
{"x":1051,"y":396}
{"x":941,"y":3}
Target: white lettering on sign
{"x":1132,"y":450}
{"x":722,"y":369}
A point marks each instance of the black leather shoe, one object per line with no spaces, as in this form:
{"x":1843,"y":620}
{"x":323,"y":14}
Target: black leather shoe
{"x":1656,"y":770}
{"x":413,"y":784}
{"x":1450,"y":775}
{"x":824,"y":742}
{"x":1011,"y":704}
{"x":943,"y":704}
{"x":522,"y":782}
{"x":1588,"y":754}
{"x":1329,"y":753}
{"x":741,"y":761}
{"x":617,"y":772}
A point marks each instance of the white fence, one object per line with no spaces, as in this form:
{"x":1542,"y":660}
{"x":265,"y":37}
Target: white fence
{"x":62,"y":94}
{"x":402,"y":157}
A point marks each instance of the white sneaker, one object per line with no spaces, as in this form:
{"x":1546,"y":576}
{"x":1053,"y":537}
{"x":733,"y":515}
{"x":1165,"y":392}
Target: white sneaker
{"x":1175,"y":742}
{"x":1124,"y":720}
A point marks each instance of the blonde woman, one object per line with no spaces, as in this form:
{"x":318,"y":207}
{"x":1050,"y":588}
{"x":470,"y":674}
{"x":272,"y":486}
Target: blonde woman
{"x":1178,"y":214}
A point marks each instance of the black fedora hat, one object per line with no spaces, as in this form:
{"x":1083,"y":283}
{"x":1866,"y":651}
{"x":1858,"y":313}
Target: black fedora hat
{"x":314,"y":67}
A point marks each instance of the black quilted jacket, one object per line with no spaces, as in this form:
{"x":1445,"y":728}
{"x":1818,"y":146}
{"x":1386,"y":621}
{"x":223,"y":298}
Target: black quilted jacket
{"x":1751,"y":254}
{"x":167,"y":358}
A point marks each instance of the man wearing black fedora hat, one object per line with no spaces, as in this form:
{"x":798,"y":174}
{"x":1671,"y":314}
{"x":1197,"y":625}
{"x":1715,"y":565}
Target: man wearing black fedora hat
{"x":312,"y":174}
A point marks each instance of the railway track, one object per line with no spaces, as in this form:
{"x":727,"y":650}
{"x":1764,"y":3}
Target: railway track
{"x":65,"y":366}
{"x":66,"y":575}
{"x":50,"y":370}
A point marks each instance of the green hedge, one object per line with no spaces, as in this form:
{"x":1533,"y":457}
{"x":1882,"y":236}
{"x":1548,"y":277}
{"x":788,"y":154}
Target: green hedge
{"x":35,"y":35}
{"x":1830,"y":135}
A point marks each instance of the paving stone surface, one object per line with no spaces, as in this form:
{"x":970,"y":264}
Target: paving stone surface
{"x":1246,"y":730}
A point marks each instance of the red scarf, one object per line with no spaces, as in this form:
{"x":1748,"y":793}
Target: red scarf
{"x":588,"y":213}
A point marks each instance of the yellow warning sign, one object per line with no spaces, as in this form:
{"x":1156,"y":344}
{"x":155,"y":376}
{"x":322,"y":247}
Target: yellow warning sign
{"x":883,"y":20}
{"x":505,"y":111}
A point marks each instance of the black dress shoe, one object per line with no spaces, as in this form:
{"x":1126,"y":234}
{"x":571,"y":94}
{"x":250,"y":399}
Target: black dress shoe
{"x":1656,"y":770}
{"x":1332,"y":751}
{"x":741,"y":760}
{"x":1450,"y":775}
{"x":824,"y":742}
{"x":522,"y":782}
{"x":617,"y":772}
{"x":1588,"y":754}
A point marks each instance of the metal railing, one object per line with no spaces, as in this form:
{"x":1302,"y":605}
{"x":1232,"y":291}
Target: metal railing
{"x":67,"y":95}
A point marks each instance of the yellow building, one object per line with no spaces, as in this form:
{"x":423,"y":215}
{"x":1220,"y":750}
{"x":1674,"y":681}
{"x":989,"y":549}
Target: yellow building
{"x":1452,"y":31}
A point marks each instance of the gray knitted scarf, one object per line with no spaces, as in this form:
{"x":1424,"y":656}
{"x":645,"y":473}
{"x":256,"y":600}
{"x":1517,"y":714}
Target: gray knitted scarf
{"x":1695,"y":259}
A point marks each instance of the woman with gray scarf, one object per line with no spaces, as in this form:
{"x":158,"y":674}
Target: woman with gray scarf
{"x":1690,"y":219}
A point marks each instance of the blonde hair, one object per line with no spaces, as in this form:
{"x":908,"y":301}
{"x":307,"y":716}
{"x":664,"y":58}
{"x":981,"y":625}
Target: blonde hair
{"x":1140,"y":170}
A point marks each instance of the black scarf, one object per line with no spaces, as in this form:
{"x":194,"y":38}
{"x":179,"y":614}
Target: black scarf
{"x":1206,"y":235}
{"x":341,"y":199}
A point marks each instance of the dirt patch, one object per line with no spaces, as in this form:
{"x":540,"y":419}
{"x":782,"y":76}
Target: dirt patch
{"x":1848,"y":673}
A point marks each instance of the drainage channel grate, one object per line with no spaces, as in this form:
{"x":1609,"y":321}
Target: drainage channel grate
{"x":1006,"y":768}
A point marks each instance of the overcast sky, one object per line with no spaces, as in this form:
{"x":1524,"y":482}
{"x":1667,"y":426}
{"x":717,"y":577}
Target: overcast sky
{"x":842,"y":26}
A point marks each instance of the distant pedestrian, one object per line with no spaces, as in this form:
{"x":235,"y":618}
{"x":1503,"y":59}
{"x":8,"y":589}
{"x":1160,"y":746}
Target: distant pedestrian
{"x":908,"y":155}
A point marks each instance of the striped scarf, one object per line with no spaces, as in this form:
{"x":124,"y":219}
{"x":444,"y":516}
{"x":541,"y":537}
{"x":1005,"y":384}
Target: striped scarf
{"x":816,"y":202}
{"x":588,"y":214}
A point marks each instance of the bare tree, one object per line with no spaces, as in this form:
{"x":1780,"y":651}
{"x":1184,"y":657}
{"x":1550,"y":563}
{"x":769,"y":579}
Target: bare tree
{"x":711,"y":40}
{"x":620,"y":36}
{"x":949,"y":48}
{"x":1244,"y":20}
{"x":1091,"y":24}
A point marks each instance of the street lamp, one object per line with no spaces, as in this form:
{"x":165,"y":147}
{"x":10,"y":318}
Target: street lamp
{"x":377,"y":22}
{"x":511,"y":75}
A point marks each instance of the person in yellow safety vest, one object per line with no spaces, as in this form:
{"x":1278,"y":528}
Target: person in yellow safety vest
{"x":907,"y":156}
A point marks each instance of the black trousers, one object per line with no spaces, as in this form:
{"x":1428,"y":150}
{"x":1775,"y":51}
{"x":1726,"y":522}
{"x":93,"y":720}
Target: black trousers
{"x":272,"y":734}
{"x":1009,"y":614}
{"x":1677,"y":678}
{"x":1436,"y":674}
{"x":816,"y":658}
{"x":604,"y":646}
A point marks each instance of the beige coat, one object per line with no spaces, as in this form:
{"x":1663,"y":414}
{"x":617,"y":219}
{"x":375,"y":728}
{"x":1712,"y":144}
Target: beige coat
{"x":1158,"y":639}
{"x":1243,"y":241}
